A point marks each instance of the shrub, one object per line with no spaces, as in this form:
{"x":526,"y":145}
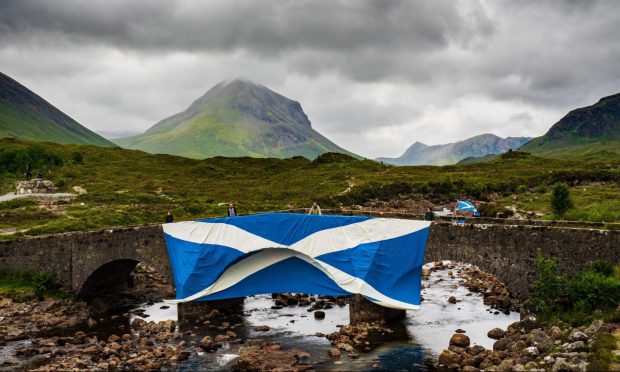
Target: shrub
{"x":603,"y":267}
{"x":44,"y":282}
{"x":594,"y":289}
{"x":549,"y":285}
{"x":14,"y":160}
{"x":77,"y":158}
{"x":561,"y":201}
{"x":522,"y":189}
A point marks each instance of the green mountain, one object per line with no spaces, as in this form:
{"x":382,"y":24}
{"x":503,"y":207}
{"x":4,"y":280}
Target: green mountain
{"x":590,"y":133}
{"x":452,"y":153}
{"x":235,"y":118}
{"x":25,"y":115}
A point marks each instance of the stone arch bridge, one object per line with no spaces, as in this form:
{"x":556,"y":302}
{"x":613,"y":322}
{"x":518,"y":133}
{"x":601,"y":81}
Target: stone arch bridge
{"x":88,"y":262}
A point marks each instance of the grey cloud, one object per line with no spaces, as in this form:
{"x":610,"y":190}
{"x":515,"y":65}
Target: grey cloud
{"x":450,"y":68}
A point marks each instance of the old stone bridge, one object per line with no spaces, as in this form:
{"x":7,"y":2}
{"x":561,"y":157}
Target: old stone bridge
{"x":92,"y":261}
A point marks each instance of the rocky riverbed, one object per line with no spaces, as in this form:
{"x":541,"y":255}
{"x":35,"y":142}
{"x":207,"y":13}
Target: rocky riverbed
{"x":285,"y":331}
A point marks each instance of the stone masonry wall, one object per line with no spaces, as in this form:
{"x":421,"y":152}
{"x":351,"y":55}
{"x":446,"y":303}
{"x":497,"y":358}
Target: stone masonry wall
{"x":508,"y":251}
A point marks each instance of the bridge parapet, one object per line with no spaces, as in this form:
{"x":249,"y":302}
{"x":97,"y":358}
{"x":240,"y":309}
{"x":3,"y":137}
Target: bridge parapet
{"x":89,"y":260}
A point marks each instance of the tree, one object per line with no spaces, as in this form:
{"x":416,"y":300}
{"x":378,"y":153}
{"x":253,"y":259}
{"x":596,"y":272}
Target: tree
{"x":561,"y":201}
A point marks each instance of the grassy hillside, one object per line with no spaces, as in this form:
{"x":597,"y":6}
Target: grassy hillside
{"x":588,"y":133}
{"x":25,"y":115}
{"x":132,"y":187}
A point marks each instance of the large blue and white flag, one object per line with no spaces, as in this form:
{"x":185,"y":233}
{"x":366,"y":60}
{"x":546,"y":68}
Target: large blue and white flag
{"x":219,"y":258}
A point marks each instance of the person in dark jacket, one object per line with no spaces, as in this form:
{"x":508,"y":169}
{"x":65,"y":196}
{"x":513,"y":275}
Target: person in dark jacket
{"x":232,"y":211}
{"x":169,"y":217}
{"x":429,"y":215}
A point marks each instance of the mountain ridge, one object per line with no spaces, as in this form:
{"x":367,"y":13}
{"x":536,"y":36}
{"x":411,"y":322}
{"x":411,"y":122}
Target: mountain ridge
{"x":451,"y":153}
{"x":26,"y":115}
{"x":586,"y":132}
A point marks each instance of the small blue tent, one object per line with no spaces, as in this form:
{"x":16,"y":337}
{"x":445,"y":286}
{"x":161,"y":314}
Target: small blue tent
{"x":218,"y":258}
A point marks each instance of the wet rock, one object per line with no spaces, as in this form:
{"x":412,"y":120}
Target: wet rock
{"x":262,"y":328}
{"x":447,"y":358}
{"x":460,"y":330}
{"x":501,"y":344}
{"x":207,"y":343}
{"x":319,"y":314}
{"x":459,"y":340}
{"x":496,"y":333}
{"x":475,"y":350}
{"x":452,"y":299}
{"x":334,"y":353}
{"x":113,"y":338}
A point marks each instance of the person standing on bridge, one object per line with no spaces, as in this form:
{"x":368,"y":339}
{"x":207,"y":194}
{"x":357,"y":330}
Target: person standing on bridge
{"x":429,"y":215}
{"x":315,"y":209}
{"x":232,"y":211}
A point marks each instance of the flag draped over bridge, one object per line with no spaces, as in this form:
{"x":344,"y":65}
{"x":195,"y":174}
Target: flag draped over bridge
{"x":219,"y":258}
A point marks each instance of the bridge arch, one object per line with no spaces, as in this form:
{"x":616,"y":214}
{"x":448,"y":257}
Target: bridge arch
{"x":107,"y":259}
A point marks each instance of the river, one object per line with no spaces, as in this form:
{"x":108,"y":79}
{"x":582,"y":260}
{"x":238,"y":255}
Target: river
{"x":423,"y":334}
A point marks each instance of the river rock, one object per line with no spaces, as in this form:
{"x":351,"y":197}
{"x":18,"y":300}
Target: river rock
{"x":261,"y":328}
{"x":475,"y":350}
{"x":207,"y":343}
{"x":597,"y":326}
{"x":496,"y":333}
{"x":501,"y":344}
{"x":577,"y":335}
{"x":448,"y":358}
{"x":555,"y":332}
{"x":540,"y":339}
{"x":334,"y":353}
{"x":531,"y":351}
{"x":577,"y":346}
{"x":319,"y":314}
{"x":460,"y":340}
{"x":452,"y":299}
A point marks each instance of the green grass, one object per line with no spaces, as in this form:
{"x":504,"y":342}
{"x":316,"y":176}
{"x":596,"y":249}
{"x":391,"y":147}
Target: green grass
{"x":133,"y":187}
{"x":602,"y":357}
{"x":28,"y":285}
{"x":593,"y":203}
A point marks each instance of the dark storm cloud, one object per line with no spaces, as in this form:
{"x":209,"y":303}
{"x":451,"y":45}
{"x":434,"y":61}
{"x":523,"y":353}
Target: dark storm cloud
{"x":263,"y":27}
{"x":388,"y":70}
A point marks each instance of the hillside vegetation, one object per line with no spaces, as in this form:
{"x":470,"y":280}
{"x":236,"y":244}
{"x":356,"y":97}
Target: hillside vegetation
{"x":132,"y":187}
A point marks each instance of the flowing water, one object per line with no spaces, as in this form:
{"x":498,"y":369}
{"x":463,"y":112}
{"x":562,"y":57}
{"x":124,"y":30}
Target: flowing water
{"x":424,"y":333}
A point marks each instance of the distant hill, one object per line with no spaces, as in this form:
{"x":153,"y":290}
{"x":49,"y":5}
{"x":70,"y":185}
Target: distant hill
{"x":452,"y":153}
{"x":478,"y":159}
{"x":25,"y":115}
{"x":236,"y":118}
{"x":591,"y":132}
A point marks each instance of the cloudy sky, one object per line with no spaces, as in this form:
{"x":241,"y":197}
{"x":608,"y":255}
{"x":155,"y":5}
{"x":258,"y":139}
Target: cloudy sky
{"x":373,"y":76}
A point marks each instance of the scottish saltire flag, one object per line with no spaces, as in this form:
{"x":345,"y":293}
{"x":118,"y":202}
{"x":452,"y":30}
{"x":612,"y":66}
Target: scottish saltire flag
{"x":219,"y":258}
{"x":466,"y":205}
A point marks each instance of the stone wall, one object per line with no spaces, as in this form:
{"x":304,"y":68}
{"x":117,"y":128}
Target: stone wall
{"x":74,"y":257}
{"x":507,"y":251}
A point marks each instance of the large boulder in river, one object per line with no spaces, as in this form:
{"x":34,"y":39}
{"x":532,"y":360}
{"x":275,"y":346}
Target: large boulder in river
{"x":460,"y":340}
